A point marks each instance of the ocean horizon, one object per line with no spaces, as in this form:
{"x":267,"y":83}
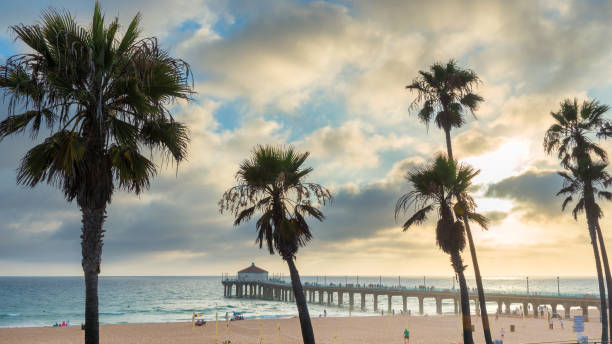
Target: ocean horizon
{"x":33,"y":301}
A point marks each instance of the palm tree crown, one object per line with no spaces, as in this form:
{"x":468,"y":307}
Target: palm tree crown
{"x":101,"y":97}
{"x":446,"y":91}
{"x":434,"y":186}
{"x":572,"y":133}
{"x":573,"y":185}
{"x":272,"y":182}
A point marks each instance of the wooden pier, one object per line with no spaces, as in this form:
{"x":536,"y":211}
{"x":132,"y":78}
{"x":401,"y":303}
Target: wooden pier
{"x":332,"y":294}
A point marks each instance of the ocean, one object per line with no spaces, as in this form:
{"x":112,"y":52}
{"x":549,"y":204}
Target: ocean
{"x":43,"y":301}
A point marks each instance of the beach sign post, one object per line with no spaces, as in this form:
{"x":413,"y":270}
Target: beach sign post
{"x":226,"y":329}
{"x":578,"y":326}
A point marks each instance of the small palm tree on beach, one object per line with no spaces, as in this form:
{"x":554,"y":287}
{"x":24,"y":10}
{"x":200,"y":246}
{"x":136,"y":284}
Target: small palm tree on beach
{"x":433,"y":188}
{"x":272,"y":183}
{"x":102,"y":99}
{"x":447,"y":93}
{"x":573,"y":136}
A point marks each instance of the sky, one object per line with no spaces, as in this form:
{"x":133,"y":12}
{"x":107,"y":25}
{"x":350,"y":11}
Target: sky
{"x":329,"y":77}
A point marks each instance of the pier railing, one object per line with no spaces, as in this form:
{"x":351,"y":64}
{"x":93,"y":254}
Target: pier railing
{"x":370,"y":286}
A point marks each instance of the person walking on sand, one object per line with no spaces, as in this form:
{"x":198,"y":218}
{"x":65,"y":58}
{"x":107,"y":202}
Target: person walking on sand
{"x":550,"y":323}
{"x":325,"y":313}
{"x":406,"y":336}
{"x":561,"y":322}
{"x":502,"y":333}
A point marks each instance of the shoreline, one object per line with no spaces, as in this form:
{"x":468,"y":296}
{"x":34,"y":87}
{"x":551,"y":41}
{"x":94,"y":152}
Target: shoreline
{"x":593,"y":313}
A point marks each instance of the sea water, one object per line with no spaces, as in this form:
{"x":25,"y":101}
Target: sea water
{"x":43,"y":301}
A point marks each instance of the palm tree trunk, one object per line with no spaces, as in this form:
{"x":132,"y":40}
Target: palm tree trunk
{"x":457,"y":263}
{"x":602,"y":290}
{"x":481,"y":296}
{"x":591,"y":215}
{"x":606,"y":265}
{"x":91,"y":246}
{"x":449,"y":146}
{"x":300,"y":300}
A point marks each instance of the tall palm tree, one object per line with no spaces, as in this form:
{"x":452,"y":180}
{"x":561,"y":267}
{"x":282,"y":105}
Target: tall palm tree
{"x":446,"y":93}
{"x":102,"y":99}
{"x":433,"y":188}
{"x":572,"y":137}
{"x":272,"y":183}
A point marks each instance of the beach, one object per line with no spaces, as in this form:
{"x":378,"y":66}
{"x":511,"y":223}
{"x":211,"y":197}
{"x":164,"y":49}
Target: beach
{"x":364,"y":329}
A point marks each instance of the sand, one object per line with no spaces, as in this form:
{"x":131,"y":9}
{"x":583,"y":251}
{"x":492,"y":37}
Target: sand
{"x":375,"y":329}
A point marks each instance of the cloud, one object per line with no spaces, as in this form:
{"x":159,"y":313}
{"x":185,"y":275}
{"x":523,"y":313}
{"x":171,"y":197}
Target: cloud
{"x":280,"y":57}
{"x":475,"y":142}
{"x":496,"y":217}
{"x":353,"y":146}
{"x":533,"y":192}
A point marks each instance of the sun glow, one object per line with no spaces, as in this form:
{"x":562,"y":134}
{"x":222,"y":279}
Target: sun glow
{"x":508,"y":160}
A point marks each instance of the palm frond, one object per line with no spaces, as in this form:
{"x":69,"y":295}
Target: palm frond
{"x":52,"y":161}
{"x":480,"y":219}
{"x":132,"y":170}
{"x":417,"y":218}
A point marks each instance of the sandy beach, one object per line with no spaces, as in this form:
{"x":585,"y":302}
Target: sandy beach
{"x":371,"y":330}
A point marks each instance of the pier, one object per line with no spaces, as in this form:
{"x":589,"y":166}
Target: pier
{"x":334,"y":294}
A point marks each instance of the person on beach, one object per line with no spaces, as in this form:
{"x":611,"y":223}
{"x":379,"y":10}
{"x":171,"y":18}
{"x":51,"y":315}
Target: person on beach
{"x":406,"y":336}
{"x":325,"y":313}
{"x":502,"y":333}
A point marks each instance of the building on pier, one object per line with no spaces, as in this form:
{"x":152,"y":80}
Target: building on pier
{"x":252,"y":273}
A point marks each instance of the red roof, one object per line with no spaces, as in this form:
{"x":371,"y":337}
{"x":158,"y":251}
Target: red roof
{"x":252,"y":268}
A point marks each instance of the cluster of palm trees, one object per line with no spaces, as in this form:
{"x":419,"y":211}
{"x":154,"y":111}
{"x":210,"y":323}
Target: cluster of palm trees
{"x":102,"y":99}
{"x":574,"y":137}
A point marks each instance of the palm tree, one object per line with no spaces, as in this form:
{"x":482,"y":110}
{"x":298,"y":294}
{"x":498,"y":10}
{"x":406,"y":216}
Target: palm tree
{"x":446,"y":93}
{"x":272,"y":183}
{"x":433,"y":187}
{"x":571,"y":136}
{"x":102,"y":99}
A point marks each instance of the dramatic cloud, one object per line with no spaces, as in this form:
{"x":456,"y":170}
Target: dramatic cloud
{"x":534,"y":193}
{"x":329,"y":78}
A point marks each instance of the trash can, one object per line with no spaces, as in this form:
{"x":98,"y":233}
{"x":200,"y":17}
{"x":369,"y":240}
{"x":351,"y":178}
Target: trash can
{"x":511,"y":328}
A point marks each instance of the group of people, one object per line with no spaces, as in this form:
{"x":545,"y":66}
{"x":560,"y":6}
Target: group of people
{"x":62,"y":324}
